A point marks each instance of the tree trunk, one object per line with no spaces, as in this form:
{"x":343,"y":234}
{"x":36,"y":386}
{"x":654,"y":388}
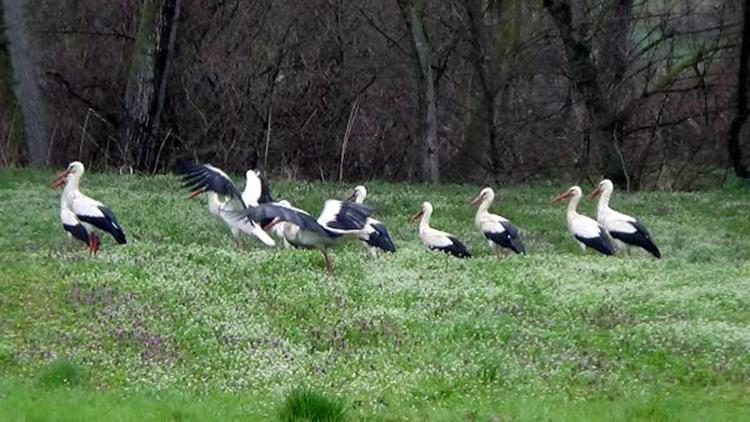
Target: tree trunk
{"x":607,"y":128}
{"x":24,"y":58}
{"x":149,"y":69}
{"x":426,"y":94}
{"x":743,"y":84}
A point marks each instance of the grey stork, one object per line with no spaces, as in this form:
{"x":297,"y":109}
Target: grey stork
{"x":585,"y":230}
{"x":626,"y":230}
{"x":374,"y":236}
{"x":500,"y":233}
{"x":435,"y":239}
{"x":81,"y":215}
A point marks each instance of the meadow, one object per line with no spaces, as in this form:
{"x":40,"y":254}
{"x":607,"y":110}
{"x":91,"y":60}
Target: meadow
{"x":180,"y":325}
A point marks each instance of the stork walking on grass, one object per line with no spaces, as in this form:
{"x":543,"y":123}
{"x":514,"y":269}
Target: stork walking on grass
{"x":374,"y":235}
{"x":626,"y":230}
{"x":500,"y":233}
{"x":82,"y":217}
{"x":435,"y":239}
{"x":586,"y":231}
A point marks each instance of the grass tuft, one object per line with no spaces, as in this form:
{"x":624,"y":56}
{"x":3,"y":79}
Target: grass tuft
{"x":309,"y":405}
{"x":61,"y":373}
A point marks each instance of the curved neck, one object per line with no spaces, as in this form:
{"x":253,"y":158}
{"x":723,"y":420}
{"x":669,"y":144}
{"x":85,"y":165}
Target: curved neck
{"x":604,"y":199}
{"x":71,"y":186}
{"x":424,"y":222}
{"x":359,"y":197}
{"x":485,"y":205}
{"x":572,"y":205}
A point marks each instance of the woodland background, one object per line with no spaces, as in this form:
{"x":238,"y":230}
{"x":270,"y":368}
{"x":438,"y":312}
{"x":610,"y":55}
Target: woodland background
{"x":651,"y":93}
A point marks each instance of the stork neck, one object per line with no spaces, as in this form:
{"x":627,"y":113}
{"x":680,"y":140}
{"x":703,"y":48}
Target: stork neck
{"x":572,"y":206}
{"x":424,"y":222}
{"x":604,"y":200}
{"x":359,"y":197}
{"x":71,"y":186}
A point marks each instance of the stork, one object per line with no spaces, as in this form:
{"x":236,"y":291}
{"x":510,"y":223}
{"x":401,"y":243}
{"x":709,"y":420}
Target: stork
{"x":586,"y":231}
{"x":81,"y":215}
{"x":221,"y":207}
{"x":337,"y":220}
{"x":435,"y":239}
{"x":257,"y":192}
{"x":626,"y":230}
{"x":374,"y":236}
{"x":500,"y":233}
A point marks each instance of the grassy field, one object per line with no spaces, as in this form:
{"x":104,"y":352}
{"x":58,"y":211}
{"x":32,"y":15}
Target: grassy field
{"x":179,"y":325}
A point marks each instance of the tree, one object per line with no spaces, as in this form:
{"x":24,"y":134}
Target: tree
{"x":149,"y":70}
{"x":24,"y":56}
{"x":426,"y":93}
{"x":741,"y":113}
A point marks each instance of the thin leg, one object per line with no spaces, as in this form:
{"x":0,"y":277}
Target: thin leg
{"x":96,"y":243}
{"x":329,"y":262}
{"x":238,"y":244}
{"x":498,"y":254}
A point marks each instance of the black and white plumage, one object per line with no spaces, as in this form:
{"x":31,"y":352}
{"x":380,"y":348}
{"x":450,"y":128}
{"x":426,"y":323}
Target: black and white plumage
{"x":82,"y":216}
{"x":585,"y":230}
{"x":435,"y":239}
{"x":500,"y":233}
{"x":374,"y":235}
{"x":214,"y":182}
{"x":337,"y":220}
{"x":626,"y":230}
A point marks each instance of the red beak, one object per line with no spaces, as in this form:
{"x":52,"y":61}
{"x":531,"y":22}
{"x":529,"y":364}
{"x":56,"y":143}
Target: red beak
{"x":351,"y":197}
{"x":560,"y":197}
{"x":60,"y":178}
{"x":474,"y":202}
{"x":196,"y":192}
{"x":596,"y":192}
{"x":416,"y":216}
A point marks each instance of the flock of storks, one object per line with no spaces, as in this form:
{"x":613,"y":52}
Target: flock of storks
{"x":255,"y":213}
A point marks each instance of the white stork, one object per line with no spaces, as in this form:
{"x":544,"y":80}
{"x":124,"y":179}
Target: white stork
{"x":587,"y":231}
{"x":337,"y":220}
{"x":500,"y":233}
{"x":221,"y":208}
{"x":374,"y":236}
{"x":435,"y":239}
{"x":257,"y":192}
{"x":81,"y":215}
{"x":626,"y":230}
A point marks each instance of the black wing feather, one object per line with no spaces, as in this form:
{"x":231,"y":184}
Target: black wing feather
{"x":271,"y":211}
{"x":602,"y":243}
{"x":108,"y":223}
{"x":640,"y":238}
{"x":198,"y":176}
{"x":456,"y":248}
{"x":350,"y":216}
{"x":78,"y":231}
{"x":508,"y":239}
{"x":380,"y":238}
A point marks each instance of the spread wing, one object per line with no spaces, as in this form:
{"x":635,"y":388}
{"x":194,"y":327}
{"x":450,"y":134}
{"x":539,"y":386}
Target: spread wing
{"x":200,"y":177}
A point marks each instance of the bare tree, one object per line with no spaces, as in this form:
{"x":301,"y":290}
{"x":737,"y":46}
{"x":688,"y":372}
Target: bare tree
{"x":24,"y":57}
{"x":743,"y":85}
{"x":426,"y":94}
{"x":145,"y":93}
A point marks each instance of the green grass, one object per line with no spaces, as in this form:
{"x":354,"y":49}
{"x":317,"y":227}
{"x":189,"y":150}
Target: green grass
{"x":177,"y":324}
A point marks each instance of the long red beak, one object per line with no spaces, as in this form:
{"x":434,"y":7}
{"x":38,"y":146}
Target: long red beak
{"x":351,"y":197}
{"x":60,"y":178}
{"x":560,"y":197}
{"x":196,"y":192}
{"x":474,"y":202}
{"x":417,"y":216}
{"x":594,"y":193}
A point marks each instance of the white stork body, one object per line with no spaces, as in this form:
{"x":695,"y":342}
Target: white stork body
{"x":82,"y":217}
{"x":500,"y":233}
{"x":626,"y":230}
{"x":221,"y":209}
{"x":435,"y":239}
{"x":585,"y":230}
{"x":374,"y":235}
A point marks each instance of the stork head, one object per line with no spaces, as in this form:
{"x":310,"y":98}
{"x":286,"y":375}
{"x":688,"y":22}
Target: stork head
{"x":604,"y":187}
{"x":573,"y":192}
{"x":74,"y":170}
{"x":358,"y":194}
{"x":486,"y":194}
{"x":426,"y":208}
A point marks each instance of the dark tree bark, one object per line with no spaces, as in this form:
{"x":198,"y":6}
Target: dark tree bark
{"x":427,"y":97}
{"x":743,"y":84}
{"x":24,"y":55}
{"x":607,"y":126}
{"x":145,"y":93}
